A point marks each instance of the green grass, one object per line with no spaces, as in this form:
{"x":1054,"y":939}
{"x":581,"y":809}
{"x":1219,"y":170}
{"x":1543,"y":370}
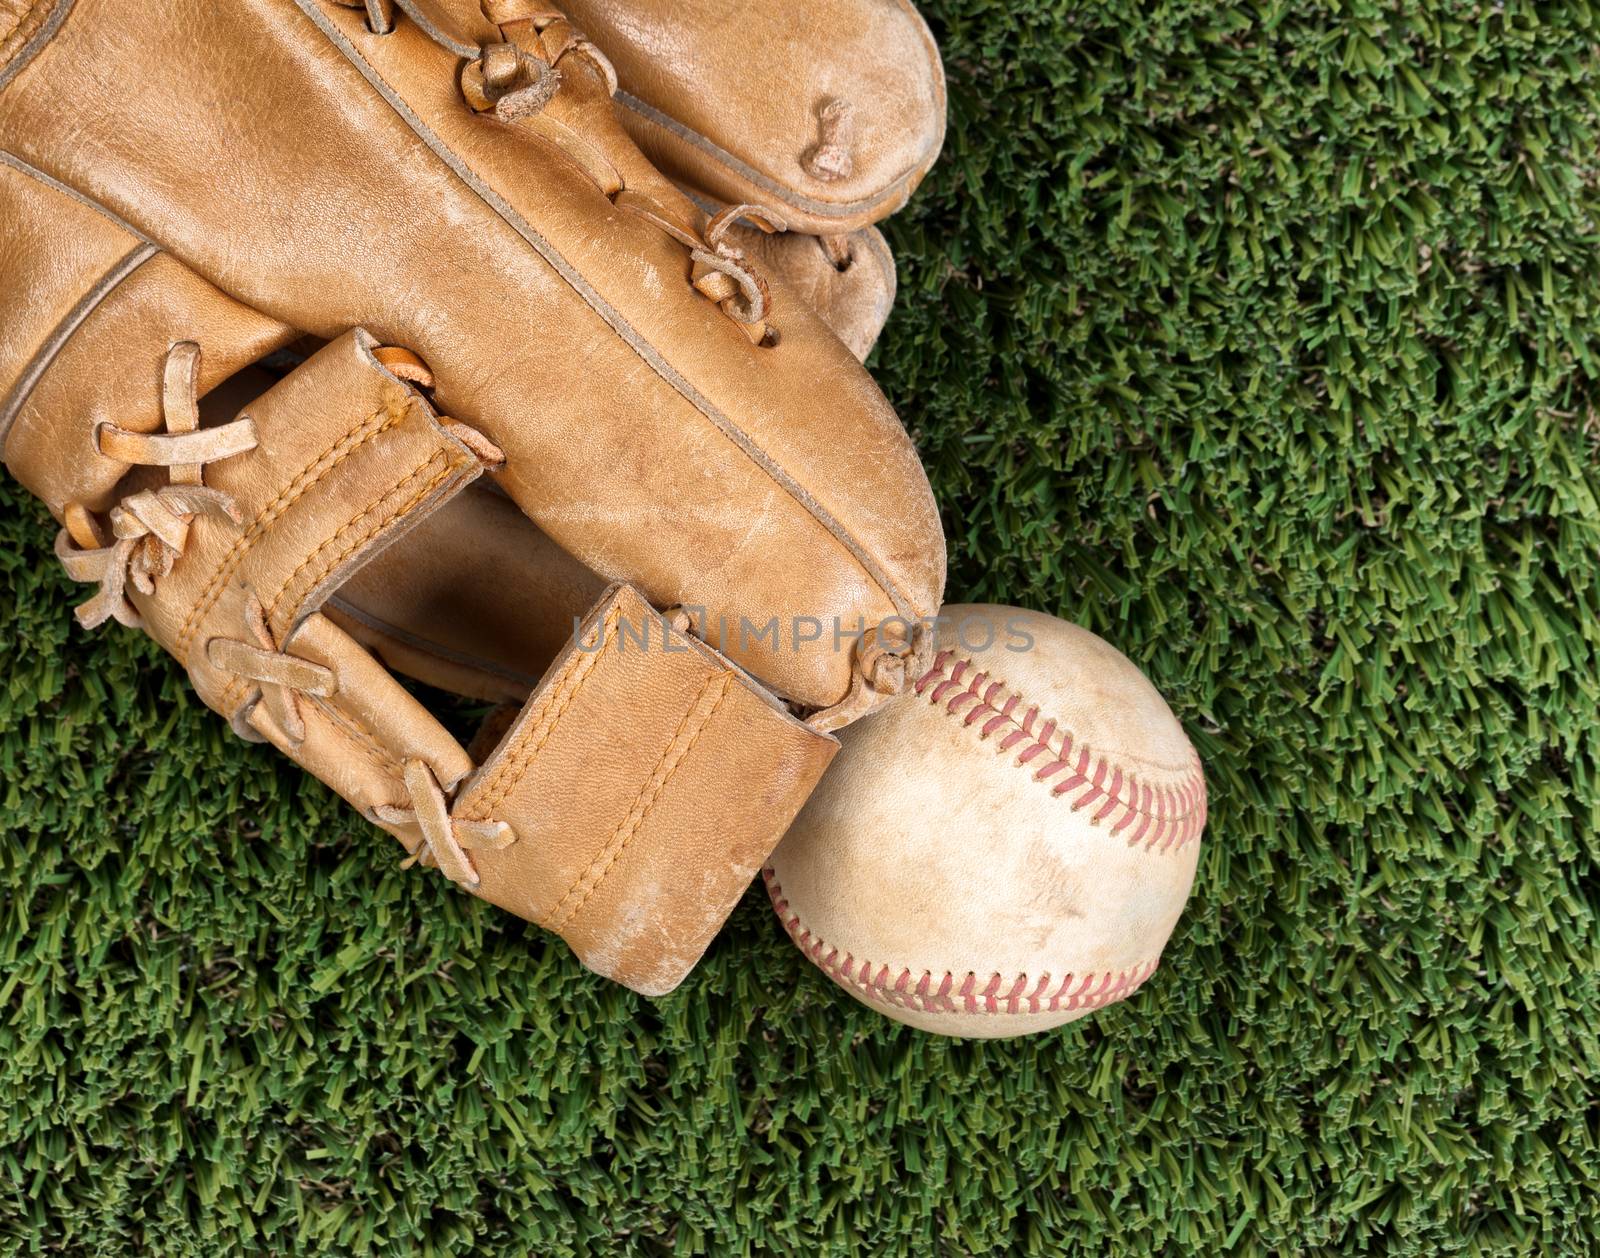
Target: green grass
{"x":1261,"y":340}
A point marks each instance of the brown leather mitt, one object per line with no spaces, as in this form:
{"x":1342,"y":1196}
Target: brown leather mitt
{"x":509,"y":294}
{"x":828,"y":113}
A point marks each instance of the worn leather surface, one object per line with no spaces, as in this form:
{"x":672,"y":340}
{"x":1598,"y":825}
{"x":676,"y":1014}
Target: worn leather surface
{"x":339,"y":180}
{"x":349,"y":459}
{"x":730,"y":99}
{"x":53,"y":252}
{"x":257,"y":173}
{"x":954,"y":875}
{"x":650,"y":780}
{"x":853,"y":297}
{"x":109,"y":371}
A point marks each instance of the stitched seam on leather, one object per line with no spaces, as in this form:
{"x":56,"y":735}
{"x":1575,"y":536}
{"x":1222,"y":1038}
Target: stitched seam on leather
{"x":673,"y":756}
{"x":270,"y":609}
{"x":613,"y":319}
{"x":304,"y":481}
{"x":1178,"y":813}
{"x":64,"y":331}
{"x":925,"y":992}
{"x":372,"y":530}
{"x":580,"y":667}
{"x":34,"y":43}
{"x":745,"y":171}
{"x":234,"y":693}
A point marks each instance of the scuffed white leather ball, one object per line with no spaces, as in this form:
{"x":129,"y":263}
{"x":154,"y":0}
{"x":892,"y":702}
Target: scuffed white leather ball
{"x":1006,"y":847}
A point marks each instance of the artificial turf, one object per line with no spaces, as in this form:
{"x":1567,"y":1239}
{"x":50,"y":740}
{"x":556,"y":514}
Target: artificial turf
{"x":1261,"y":339}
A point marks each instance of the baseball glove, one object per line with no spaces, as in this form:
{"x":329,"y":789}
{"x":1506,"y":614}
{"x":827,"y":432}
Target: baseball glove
{"x":505,"y":292}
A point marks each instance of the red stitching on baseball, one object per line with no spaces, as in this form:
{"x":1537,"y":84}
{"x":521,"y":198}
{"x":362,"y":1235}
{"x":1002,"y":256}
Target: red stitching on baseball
{"x":908,"y":990}
{"x":1169,"y":817}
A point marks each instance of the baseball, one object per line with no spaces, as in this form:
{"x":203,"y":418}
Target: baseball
{"x":1007,"y":846}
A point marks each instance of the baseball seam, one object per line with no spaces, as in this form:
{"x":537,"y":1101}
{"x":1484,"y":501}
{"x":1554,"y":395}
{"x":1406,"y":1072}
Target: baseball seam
{"x":1168,"y":817}
{"x":927,"y":993}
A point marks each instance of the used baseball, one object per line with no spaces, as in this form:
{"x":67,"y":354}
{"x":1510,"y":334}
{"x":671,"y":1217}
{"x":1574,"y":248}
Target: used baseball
{"x":1008,"y":846}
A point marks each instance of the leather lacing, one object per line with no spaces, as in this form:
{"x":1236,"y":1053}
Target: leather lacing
{"x":514,"y":83}
{"x":280,"y":679}
{"x":151,"y":529}
{"x":721,"y":270}
{"x":445,"y":839}
{"x":885,"y":656}
{"x":829,"y":159}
